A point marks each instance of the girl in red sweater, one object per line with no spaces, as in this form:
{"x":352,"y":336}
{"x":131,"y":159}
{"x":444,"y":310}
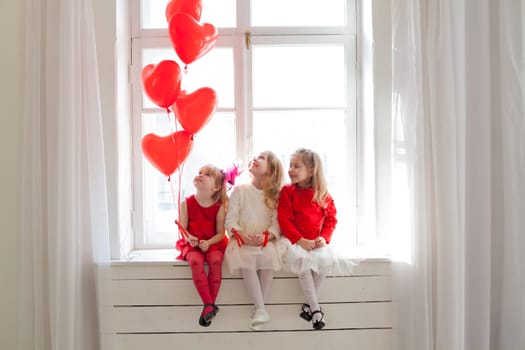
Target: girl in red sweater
{"x":202,"y":222}
{"x":307,"y":218}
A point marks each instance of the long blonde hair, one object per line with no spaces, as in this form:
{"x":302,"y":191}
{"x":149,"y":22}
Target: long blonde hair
{"x":220,"y":181}
{"x":274,"y":179}
{"x":318,"y":181}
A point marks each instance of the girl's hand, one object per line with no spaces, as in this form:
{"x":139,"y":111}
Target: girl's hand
{"x":254,"y":240}
{"x":192,"y":240}
{"x":204,"y":246}
{"x":320,"y":242}
{"x":306,"y":244}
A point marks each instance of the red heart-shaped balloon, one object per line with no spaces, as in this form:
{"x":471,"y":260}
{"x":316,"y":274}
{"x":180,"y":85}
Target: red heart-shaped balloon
{"x":194,"y":110}
{"x":191,"y":7}
{"x":161,"y":82}
{"x":190,"y":39}
{"x":167,"y":153}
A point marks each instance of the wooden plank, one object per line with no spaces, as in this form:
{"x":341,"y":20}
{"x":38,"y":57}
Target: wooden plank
{"x":180,"y":269}
{"x":370,"y":339}
{"x":237,"y":317}
{"x":284,"y":290}
{"x":106,"y":320}
{"x":108,"y":342}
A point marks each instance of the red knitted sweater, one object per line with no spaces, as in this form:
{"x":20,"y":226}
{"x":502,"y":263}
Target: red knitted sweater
{"x":300,"y":217}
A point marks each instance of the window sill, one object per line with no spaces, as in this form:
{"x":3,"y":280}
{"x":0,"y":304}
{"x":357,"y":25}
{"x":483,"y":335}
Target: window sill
{"x":163,"y":256}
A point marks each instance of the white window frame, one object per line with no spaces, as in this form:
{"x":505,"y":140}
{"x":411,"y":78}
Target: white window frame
{"x":234,"y":37}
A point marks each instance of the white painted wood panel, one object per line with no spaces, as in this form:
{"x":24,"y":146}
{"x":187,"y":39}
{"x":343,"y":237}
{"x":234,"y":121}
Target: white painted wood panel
{"x":179,"y":269}
{"x":284,"y":290}
{"x":367,"y":339}
{"x":236,"y":318}
{"x":154,"y":305}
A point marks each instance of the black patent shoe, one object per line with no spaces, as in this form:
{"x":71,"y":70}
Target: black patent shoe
{"x":203,"y":322}
{"x":306,"y":313}
{"x":318,"y":324}
{"x":205,"y":318}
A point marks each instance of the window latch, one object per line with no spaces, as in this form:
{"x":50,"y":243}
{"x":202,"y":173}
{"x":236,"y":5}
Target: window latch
{"x":247,"y":39}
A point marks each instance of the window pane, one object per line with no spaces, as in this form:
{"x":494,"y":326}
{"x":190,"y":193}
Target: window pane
{"x":290,"y":13}
{"x":305,"y":76}
{"x":325,"y":133}
{"x":214,"y":144}
{"x":153,"y":14}
{"x":215,"y":70}
{"x":322,"y":131}
{"x":220,"y":13}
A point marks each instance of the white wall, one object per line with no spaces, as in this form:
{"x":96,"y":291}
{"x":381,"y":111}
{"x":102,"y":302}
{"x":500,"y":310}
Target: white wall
{"x":11,"y":102}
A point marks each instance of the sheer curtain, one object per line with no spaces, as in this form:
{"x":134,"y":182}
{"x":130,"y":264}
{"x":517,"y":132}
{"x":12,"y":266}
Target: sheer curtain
{"x":65,"y":229}
{"x":459,"y":164}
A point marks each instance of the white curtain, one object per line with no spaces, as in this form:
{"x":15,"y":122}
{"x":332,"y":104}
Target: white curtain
{"x":459,"y":166}
{"x":64,"y":206}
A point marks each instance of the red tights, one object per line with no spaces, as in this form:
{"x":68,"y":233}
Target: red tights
{"x":207,"y":286}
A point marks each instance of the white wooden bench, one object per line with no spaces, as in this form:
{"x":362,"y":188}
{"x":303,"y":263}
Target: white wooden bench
{"x":152,"y":305}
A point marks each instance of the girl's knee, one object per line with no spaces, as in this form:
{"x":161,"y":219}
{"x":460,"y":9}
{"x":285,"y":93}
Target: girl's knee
{"x":304,"y":275}
{"x":214,"y":258}
{"x":195,"y":259}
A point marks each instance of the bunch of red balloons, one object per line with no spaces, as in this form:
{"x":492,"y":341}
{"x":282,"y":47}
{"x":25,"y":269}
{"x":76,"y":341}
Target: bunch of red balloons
{"x":162,"y":84}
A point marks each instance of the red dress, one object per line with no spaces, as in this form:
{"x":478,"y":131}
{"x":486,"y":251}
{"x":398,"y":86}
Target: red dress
{"x":300,"y":217}
{"x":202,"y":223}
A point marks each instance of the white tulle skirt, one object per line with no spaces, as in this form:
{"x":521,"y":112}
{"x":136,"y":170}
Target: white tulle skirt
{"x":249,"y":257}
{"x":324,"y":260}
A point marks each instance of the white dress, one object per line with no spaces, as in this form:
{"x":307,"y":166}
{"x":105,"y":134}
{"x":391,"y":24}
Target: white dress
{"x":248,"y":213}
{"x":324,"y":260}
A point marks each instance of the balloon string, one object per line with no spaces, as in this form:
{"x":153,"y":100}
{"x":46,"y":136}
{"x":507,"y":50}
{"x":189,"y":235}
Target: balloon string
{"x":180,"y":185}
{"x":181,"y":167}
{"x":178,"y":204}
{"x":176,"y":198}
{"x":168,"y":116}
{"x":170,"y":126}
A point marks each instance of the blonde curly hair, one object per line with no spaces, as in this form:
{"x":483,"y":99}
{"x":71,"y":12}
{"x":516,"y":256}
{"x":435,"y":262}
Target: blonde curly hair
{"x":220,"y":181}
{"x":318,"y":181}
{"x":274,"y":179}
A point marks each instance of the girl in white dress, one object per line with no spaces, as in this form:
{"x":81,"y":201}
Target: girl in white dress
{"x":251,"y":220}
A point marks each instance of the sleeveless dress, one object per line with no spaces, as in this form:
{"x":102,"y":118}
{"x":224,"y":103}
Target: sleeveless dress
{"x":202,"y":224}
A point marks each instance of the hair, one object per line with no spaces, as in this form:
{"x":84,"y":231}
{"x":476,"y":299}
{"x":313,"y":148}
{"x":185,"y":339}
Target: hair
{"x":318,"y":181}
{"x":220,"y":181}
{"x":273,"y":181}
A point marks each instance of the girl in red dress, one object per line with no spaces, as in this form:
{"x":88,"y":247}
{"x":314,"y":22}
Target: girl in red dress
{"x":307,"y":218}
{"x":202,"y":222}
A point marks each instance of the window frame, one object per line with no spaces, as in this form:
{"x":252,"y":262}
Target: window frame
{"x":234,"y":37}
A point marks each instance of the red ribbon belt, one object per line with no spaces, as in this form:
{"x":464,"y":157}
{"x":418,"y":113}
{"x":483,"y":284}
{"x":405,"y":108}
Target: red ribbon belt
{"x":237,"y":237}
{"x":182,"y":230}
{"x":266,"y":235}
{"x":240,"y":241}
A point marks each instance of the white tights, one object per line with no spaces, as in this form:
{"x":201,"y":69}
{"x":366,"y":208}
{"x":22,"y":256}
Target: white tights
{"x":258,"y":285}
{"x":310,"y":283}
